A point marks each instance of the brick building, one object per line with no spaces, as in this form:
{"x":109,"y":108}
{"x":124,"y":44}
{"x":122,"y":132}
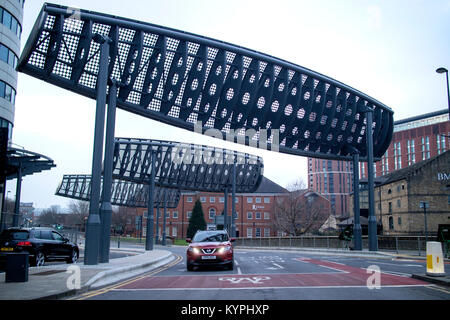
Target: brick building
{"x":254,"y":211}
{"x":415,"y":139}
{"x":398,"y":196}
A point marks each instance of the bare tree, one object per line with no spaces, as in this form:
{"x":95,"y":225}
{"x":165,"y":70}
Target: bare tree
{"x":123,"y":219}
{"x":300,"y":211}
{"x":50,"y":216}
{"x":78,"y":213}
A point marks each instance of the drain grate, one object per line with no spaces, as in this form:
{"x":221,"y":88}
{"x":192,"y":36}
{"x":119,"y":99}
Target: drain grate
{"x":47,"y":273}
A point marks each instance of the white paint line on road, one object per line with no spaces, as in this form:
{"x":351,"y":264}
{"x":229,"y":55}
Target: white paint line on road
{"x":396,"y":264}
{"x":239,"y":270}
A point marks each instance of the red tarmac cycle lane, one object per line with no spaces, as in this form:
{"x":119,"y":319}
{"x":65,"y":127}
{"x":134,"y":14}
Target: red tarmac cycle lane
{"x":339,"y":275}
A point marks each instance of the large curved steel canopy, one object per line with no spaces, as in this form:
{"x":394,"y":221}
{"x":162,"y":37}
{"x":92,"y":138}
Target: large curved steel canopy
{"x":124,"y":193}
{"x":27,"y":162}
{"x":181,"y":78}
{"x":186,"y":166}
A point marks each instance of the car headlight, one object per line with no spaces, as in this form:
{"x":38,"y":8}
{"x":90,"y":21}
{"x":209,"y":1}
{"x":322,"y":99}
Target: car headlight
{"x":224,"y":249}
{"x":194,"y":250}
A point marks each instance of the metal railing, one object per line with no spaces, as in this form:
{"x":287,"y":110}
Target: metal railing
{"x":413,"y":244}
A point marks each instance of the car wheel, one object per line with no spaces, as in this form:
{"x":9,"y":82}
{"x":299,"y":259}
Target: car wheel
{"x":39,"y":259}
{"x":74,"y":257}
{"x":189,"y":267}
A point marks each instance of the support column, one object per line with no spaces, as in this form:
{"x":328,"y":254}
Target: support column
{"x":157,"y":224}
{"x":372,"y":221}
{"x":233,"y":199}
{"x":151,"y":203}
{"x":105,"y":206}
{"x":17,"y":202}
{"x":164,"y":219}
{"x":225,"y":209}
{"x":357,"y":233}
{"x":93,"y":226}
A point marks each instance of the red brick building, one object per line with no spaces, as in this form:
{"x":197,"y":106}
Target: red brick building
{"x":254,"y":211}
{"x":415,"y":139}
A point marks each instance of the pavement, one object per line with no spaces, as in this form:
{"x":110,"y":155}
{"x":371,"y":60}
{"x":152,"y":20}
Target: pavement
{"x":57,"y":281}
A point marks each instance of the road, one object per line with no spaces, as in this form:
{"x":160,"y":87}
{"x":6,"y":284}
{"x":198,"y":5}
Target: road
{"x":280,"y":275}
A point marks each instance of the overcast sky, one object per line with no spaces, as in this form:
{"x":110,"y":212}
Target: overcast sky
{"x":386,"y":49}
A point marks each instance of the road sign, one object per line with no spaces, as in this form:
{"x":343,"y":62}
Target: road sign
{"x":424,"y":205}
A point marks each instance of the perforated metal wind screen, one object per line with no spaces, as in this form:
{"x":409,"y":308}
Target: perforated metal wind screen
{"x":124,"y":193}
{"x":186,"y":166}
{"x":183,"y":79}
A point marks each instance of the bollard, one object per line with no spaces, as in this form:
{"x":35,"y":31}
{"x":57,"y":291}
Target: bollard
{"x":435,"y":259}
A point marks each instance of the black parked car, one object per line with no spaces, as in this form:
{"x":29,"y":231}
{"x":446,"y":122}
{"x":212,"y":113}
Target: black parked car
{"x":42,"y":244}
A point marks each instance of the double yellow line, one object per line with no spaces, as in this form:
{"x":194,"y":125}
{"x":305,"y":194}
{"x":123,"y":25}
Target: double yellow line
{"x":94,"y":293}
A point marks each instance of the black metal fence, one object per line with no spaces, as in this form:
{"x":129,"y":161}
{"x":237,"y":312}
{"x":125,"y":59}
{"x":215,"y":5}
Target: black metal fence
{"x":414,"y":244}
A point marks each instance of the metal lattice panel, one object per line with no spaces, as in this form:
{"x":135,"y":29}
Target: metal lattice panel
{"x":186,"y":166}
{"x":124,"y":193}
{"x":181,"y":79}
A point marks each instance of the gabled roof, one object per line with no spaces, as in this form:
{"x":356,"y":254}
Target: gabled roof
{"x":410,"y":170}
{"x":268,"y":186}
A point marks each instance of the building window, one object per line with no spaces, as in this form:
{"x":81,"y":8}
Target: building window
{"x":385,"y":164}
{"x":440,"y":141}
{"x":266,"y":200}
{"x":10,"y":22}
{"x":266,"y":232}
{"x":202,"y":199}
{"x":257,"y":215}
{"x":175,"y":214}
{"x":399,"y":220}
{"x":391,"y":223}
{"x":7,"y":56}
{"x":189,"y":199}
{"x":397,"y":156}
{"x":174,"y":232}
{"x":399,"y":203}
{"x":249,"y":232}
{"x":189,"y":214}
{"x":168,"y":214}
{"x":258,"y":232}
{"x":425,"y":148}
{"x":257,"y":200}
{"x":221,"y":199}
{"x":411,"y":152}
{"x":390,"y":207}
{"x":212,"y":199}
{"x":212,"y":213}
{"x":7,"y":92}
{"x":249,"y":215}
{"x":266,"y":215}
{"x":249,"y":200}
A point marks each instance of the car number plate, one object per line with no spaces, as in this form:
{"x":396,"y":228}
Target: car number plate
{"x":7,"y":249}
{"x":208,"y":257}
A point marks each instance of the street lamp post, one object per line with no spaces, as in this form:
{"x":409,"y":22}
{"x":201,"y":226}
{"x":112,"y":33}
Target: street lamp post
{"x":443,"y":70}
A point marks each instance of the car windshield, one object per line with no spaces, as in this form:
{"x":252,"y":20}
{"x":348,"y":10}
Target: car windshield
{"x":14,"y":235}
{"x":210,"y":237}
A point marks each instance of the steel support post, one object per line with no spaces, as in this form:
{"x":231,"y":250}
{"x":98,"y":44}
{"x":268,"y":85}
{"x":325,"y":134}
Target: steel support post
{"x":225,"y":209}
{"x":357,"y":233}
{"x":372,"y":221}
{"x":93,"y":225}
{"x":150,"y":214}
{"x":105,"y":206}
{"x":17,"y":202}
{"x":233,"y":199}
{"x":157,"y":224}
{"x":164,"y":220}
